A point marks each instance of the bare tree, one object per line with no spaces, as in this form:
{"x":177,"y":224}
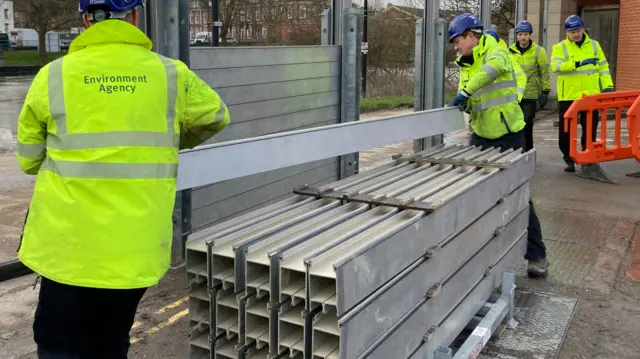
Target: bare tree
{"x":47,"y":15}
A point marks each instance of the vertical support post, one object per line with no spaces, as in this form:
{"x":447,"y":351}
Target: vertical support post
{"x":350,"y":87}
{"x":167,"y":24}
{"x":520,"y":6}
{"x":326,"y":28}
{"x":338,"y":8}
{"x":512,"y":36}
{"x":216,"y":24}
{"x":544,"y":23}
{"x":418,"y":82}
{"x":364,"y":54}
{"x":183,"y":34}
{"x":485,"y":13}
{"x":508,"y":287}
{"x":430,"y":36}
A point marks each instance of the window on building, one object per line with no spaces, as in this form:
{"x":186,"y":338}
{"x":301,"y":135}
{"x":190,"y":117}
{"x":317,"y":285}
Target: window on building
{"x":191,"y":18}
{"x":233,"y":32}
{"x":303,"y":12}
{"x":264,"y":31}
{"x":198,"y":18}
{"x":243,"y":33}
{"x":289,"y":13}
{"x":6,"y":28}
{"x":249,"y":33}
{"x":242,"y":16}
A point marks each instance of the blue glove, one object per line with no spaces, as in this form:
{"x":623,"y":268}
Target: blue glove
{"x":544,"y":98}
{"x":608,"y":89}
{"x":591,"y":61}
{"x":460,"y":100}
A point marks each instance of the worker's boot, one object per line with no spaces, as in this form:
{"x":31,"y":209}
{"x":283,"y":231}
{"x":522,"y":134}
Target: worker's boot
{"x":571,"y":166}
{"x":538,"y":269}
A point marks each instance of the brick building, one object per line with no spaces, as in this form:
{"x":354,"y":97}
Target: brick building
{"x":261,"y":21}
{"x":612,"y":22}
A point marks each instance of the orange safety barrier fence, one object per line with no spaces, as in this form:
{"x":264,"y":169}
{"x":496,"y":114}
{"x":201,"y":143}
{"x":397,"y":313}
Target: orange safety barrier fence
{"x":633,"y":122}
{"x":598,"y":151}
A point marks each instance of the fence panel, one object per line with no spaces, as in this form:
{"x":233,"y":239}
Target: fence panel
{"x":268,"y":90}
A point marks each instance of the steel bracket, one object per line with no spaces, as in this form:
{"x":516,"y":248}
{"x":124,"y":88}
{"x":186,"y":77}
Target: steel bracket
{"x":410,"y":204}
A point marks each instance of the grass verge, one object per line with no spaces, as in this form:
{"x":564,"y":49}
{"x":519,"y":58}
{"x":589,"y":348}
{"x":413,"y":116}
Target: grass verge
{"x":385,"y":103}
{"x":27,"y":58}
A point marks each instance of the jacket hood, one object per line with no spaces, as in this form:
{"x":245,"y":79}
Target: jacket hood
{"x":110,"y":32}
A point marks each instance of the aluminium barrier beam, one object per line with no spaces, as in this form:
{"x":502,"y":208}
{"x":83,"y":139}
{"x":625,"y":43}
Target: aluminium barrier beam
{"x":258,"y":290}
{"x":219,"y":162}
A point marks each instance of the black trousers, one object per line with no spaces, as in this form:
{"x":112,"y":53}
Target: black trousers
{"x":563,"y":137}
{"x":84,"y":323}
{"x":536,"y":249}
{"x":529,"y":110}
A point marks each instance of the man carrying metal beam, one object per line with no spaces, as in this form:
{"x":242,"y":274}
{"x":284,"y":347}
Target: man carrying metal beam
{"x":101,"y":128}
{"x":582,"y":69}
{"x":533,"y":60}
{"x":491,"y":93}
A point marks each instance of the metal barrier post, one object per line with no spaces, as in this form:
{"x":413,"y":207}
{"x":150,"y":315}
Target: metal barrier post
{"x":350,"y":94}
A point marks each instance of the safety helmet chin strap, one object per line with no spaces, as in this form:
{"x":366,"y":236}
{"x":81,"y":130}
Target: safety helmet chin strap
{"x":101,"y":15}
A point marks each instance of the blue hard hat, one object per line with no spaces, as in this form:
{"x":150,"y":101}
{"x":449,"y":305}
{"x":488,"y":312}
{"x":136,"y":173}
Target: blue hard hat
{"x":113,"y":5}
{"x":524,"y":26}
{"x":493,"y":33}
{"x":462,"y":23}
{"x":573,"y":22}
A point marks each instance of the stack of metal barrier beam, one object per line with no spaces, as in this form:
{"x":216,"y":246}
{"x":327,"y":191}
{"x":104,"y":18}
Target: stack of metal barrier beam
{"x":378,"y":265}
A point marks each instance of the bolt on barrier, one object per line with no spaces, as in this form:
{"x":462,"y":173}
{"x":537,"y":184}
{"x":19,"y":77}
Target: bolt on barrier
{"x":598,"y":151}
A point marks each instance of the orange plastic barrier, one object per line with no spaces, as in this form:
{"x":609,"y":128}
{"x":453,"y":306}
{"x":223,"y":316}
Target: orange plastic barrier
{"x":633,"y":122}
{"x":598,"y":151}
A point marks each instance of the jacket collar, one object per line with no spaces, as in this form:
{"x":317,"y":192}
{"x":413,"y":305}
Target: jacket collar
{"x":587,"y":40}
{"x":514,"y":48}
{"x":110,"y":32}
{"x":484,"y":43}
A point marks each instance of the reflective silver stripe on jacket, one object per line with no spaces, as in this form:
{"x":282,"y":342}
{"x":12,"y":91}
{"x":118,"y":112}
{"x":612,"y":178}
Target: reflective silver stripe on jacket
{"x":578,"y":72}
{"x":62,"y":140}
{"x":31,"y":150}
{"x":110,"y":170}
{"x":485,"y":105}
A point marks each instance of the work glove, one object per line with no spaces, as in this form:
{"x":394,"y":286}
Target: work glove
{"x":591,"y":61}
{"x":608,"y":89}
{"x":544,"y":98}
{"x":460,"y":100}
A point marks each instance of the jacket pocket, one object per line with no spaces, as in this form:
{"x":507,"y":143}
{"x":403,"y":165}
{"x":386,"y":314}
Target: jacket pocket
{"x":504,"y":122}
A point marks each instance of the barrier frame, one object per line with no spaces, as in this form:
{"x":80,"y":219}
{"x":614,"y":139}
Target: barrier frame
{"x":598,"y":151}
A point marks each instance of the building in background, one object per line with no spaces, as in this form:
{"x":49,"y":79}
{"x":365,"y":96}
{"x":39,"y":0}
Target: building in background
{"x":261,"y":22}
{"x":6,"y":16}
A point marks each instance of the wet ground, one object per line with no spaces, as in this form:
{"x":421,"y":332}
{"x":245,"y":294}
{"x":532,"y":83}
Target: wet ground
{"x":588,"y":228}
{"x":12,"y":93}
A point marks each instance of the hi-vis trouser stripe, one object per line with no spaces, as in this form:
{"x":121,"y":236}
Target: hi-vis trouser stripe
{"x":485,"y":105}
{"x":62,"y":140}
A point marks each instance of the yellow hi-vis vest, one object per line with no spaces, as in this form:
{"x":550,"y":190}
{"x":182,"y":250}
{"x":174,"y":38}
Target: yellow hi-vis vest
{"x":521,"y":77}
{"x":101,"y":128}
{"x":585,"y":80}
{"x":536,"y":67}
{"x":491,"y":81}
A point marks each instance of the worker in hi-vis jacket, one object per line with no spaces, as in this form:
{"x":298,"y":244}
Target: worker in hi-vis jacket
{"x":491,"y":94}
{"x":101,"y":128}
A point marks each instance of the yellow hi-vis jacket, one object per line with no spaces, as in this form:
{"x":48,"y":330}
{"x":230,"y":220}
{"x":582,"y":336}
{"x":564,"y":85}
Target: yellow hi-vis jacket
{"x":101,"y":128}
{"x":585,"y":80}
{"x":521,"y":77}
{"x":536,"y":67}
{"x":491,"y":81}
